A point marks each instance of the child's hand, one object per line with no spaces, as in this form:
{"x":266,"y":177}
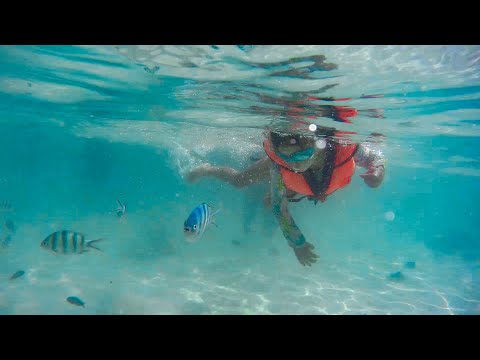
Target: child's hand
{"x":374,"y":176}
{"x":305,"y":254}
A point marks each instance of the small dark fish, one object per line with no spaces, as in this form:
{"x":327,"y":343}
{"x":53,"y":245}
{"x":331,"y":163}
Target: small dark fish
{"x":410,"y":265}
{"x":68,"y":242}
{"x":236,"y":242}
{"x":18,"y":274}
{"x":9,"y":225}
{"x":396,"y":276}
{"x":75,"y":301}
{"x":121,"y":210}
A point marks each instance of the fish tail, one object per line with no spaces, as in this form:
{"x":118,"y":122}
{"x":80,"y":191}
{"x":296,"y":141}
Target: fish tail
{"x":211,"y":207}
{"x":213,"y":217}
{"x":89,"y":244}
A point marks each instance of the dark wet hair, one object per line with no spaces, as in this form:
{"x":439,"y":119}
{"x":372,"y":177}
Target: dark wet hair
{"x":285,"y":138}
{"x":280,"y":138}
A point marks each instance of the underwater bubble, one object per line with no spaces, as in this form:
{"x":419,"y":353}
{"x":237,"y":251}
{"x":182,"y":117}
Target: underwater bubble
{"x":389,"y":215}
{"x":321,"y":143}
{"x":312,"y":127}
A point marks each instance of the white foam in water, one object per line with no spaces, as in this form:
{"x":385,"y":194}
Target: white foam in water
{"x":187,"y":145}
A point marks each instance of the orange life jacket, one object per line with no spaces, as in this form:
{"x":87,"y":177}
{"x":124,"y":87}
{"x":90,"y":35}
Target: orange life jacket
{"x":337,"y":172}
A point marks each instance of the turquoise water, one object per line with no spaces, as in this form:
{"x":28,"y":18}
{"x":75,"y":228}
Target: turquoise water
{"x":81,"y":126}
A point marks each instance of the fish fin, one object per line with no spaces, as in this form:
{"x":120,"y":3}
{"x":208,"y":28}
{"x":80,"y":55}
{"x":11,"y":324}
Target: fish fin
{"x":89,"y":244}
{"x":120,"y":203}
{"x":211,"y":207}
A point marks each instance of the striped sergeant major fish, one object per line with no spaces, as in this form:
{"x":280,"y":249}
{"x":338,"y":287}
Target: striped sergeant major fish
{"x":121,"y":210}
{"x":68,"y":242}
{"x":198,"y":221}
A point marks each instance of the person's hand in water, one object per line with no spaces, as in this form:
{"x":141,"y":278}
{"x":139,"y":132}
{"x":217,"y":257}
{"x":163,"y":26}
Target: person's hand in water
{"x":196,"y":173}
{"x":305,"y":254}
{"x":374,"y":176}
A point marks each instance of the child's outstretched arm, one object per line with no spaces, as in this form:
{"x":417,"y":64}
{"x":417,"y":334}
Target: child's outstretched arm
{"x":255,"y":173}
{"x":303,"y":249}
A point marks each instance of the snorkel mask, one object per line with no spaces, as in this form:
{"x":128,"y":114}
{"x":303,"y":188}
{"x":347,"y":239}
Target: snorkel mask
{"x":284,"y":139}
{"x":298,"y":156}
{"x":308,"y":142}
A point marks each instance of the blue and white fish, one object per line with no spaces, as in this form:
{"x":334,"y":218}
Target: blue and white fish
{"x":68,"y":242}
{"x":198,"y":221}
{"x":121,"y":210}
